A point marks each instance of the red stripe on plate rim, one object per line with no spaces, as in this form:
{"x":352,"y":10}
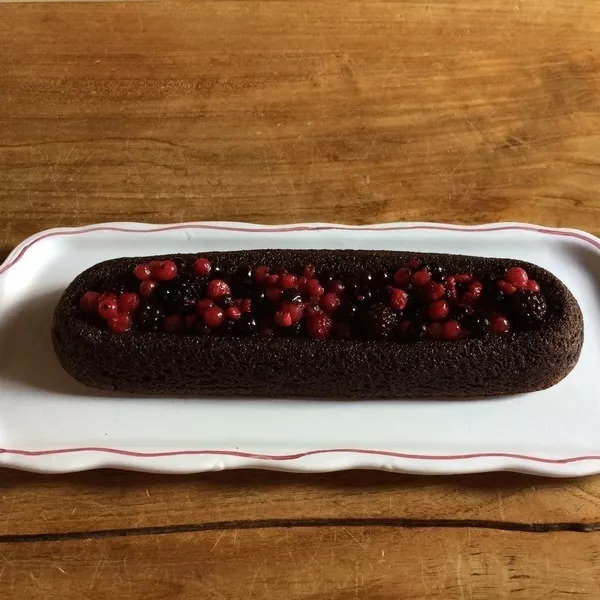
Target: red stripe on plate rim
{"x":290,"y":457}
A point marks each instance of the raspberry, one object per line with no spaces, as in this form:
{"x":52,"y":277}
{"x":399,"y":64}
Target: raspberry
{"x":217,"y":288}
{"x":213,"y":317}
{"x":283,"y":319}
{"x":142,"y":272}
{"x":89,"y":302}
{"x":517,"y":276}
{"x":202,"y":267}
{"x":421,"y":277}
{"x":329,"y":302}
{"x":261,"y":273}
{"x":120,"y":323}
{"x":288,"y":281}
{"x":398,"y":298}
{"x":438,"y":310}
{"x":402,"y":276}
{"x":319,"y":326}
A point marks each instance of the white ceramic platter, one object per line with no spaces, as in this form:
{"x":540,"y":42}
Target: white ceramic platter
{"x":50,"y":423}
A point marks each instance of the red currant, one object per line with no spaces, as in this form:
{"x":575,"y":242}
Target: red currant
{"x":120,"y":323}
{"x":499,"y":324}
{"x":213,"y":316}
{"x":203,"y":305}
{"x":517,"y":276}
{"x":272,"y":280}
{"x":402,"y":276}
{"x":414,"y":263}
{"x":296,"y":310}
{"x":319,"y":326}
{"x":336,"y":287}
{"x":463,"y":277}
{"x":147,"y":287}
{"x":274,"y":294}
{"x":288,"y":281}
{"x":108,"y":308}
{"x":129,"y":302}
{"x":398,"y":298}
{"x":314,"y":288}
{"x":164,"y":270}
{"x":329,"y":302}
{"x":506,"y":287}
{"x":451,"y":330}
{"x":309,"y":272}
{"x":89,"y":302}
{"x":217,"y":288}
{"x":435,"y":331}
{"x":261,"y":273}
{"x":142,"y":272}
{"x":283,"y":319}
{"x":434,"y":290}
{"x":438,"y":310}
{"x":532,"y":286}
{"x":202,"y":267}
{"x":421,"y":277}
{"x":234,"y":313}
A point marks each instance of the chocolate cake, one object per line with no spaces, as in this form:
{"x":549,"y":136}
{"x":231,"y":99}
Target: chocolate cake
{"x":383,"y":324}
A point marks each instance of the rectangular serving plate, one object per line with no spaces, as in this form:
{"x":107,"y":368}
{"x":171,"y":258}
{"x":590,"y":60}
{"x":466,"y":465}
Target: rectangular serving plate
{"x":50,"y":423}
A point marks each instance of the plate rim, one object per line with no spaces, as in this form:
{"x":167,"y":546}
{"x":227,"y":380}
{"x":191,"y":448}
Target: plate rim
{"x":558,"y":466}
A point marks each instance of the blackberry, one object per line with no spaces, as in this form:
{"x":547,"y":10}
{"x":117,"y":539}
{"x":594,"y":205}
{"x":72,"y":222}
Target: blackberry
{"x":476,"y":325}
{"x":382,"y":278}
{"x":438,"y":273}
{"x":259,"y":301}
{"x":247,"y":324}
{"x":325,"y":277}
{"x":380,"y":320}
{"x":362,"y":294}
{"x":491,"y":292}
{"x":292,"y":295}
{"x":190,"y":287}
{"x":527,"y":310}
{"x":217,"y":272}
{"x":148,"y":317}
{"x":347,"y":311}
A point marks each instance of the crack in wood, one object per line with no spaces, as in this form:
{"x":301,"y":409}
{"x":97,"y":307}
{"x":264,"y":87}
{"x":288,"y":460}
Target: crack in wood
{"x":302,"y":523}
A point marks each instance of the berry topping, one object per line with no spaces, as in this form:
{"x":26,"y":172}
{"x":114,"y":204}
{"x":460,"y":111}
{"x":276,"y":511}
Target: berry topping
{"x":217,"y":288}
{"x":380,"y":320}
{"x":234,"y":313}
{"x":421,"y":277}
{"x":283,"y":319}
{"x":527,"y":310}
{"x":247,"y":324}
{"x":288,"y":281}
{"x":336,"y":287}
{"x":202,"y":267}
{"x":312,"y":309}
{"x":128,"y":302}
{"x":402,"y":276}
{"x":330,"y":302}
{"x":438,"y":310}
{"x":476,"y":325}
{"x":261,"y":273}
{"x":292,"y":295}
{"x":108,"y":308}
{"x":164,"y":270}
{"x":203,"y":305}
{"x":296,"y":311}
{"x":147,"y":287}
{"x":398,"y":298}
{"x":506,"y":287}
{"x":142,"y":272}
{"x":89,"y":302}
{"x":451,"y":330}
{"x":309,"y":272}
{"x":213,"y":316}
{"x":319,"y":326}
{"x":272,"y":280}
{"x":434,"y":290}
{"x":517,"y":276}
{"x":120,"y":323}
{"x":499,"y":324}
{"x":314,"y":288}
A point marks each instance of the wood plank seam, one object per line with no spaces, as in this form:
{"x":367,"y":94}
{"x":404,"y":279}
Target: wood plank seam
{"x":566,"y":526}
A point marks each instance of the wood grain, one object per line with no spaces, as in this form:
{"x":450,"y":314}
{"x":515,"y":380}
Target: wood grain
{"x":288,"y":111}
{"x":311,"y":563}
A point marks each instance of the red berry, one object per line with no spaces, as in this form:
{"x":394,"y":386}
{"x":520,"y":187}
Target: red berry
{"x":202,"y":267}
{"x":319,"y":326}
{"x":274,"y":294}
{"x":313,"y":309}
{"x":107,"y":296}
{"x":261,"y":273}
{"x":532,"y":286}
{"x":329,"y":302}
{"x":246,"y":305}
{"x":172,"y":324}
{"x":398,"y":298}
{"x":420,"y":278}
{"x":120,"y":323}
{"x":507,"y":287}
{"x":336,"y":287}
{"x":414,"y":263}
{"x":129,"y":302}
{"x":89,"y":302}
{"x":217,"y":288}
{"x":108,"y":308}
{"x":302,"y":281}
{"x":314,"y":288}
{"x":435,"y":331}
{"x":463,"y":277}
{"x":296,"y":310}
{"x":213,"y":316}
{"x":434,"y":290}
{"x":517,"y":276}
{"x":164,"y":270}
{"x":147,"y":287}
{"x":473,"y":293}
{"x":451,"y":330}
{"x":499,"y":324}
{"x":288,"y":281}
{"x":234,"y":313}
{"x":309,"y":272}
{"x":283,"y":319}
{"x":402,"y":276}
{"x":142,"y":272}
{"x":272,"y":280}
{"x":203,"y":305}
{"x":438,"y":310}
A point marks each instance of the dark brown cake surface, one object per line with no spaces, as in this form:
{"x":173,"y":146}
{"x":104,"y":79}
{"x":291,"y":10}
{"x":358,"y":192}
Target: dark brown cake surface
{"x":162,"y":363}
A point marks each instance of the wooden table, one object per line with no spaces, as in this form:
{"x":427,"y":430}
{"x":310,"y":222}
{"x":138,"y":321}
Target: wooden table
{"x":275,"y":112}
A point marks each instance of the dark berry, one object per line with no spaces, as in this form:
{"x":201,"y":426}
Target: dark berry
{"x":416,"y":331}
{"x":527,"y":310}
{"x":435,"y":330}
{"x":148,"y":317}
{"x":296,"y":329}
{"x":225,"y":301}
{"x":243,"y":275}
{"x":202,"y":267}
{"x":348,"y":311}
{"x":380,"y":320}
{"x":292,"y":295}
{"x":217,"y":272}
{"x":438,"y":273}
{"x":259,"y":300}
{"x":476,"y":325}
{"x":247,"y":324}
{"x":460,"y":312}
{"x":326,"y":276}
{"x":363,"y":294}
{"x":382,"y":278}
{"x":366,"y":278}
